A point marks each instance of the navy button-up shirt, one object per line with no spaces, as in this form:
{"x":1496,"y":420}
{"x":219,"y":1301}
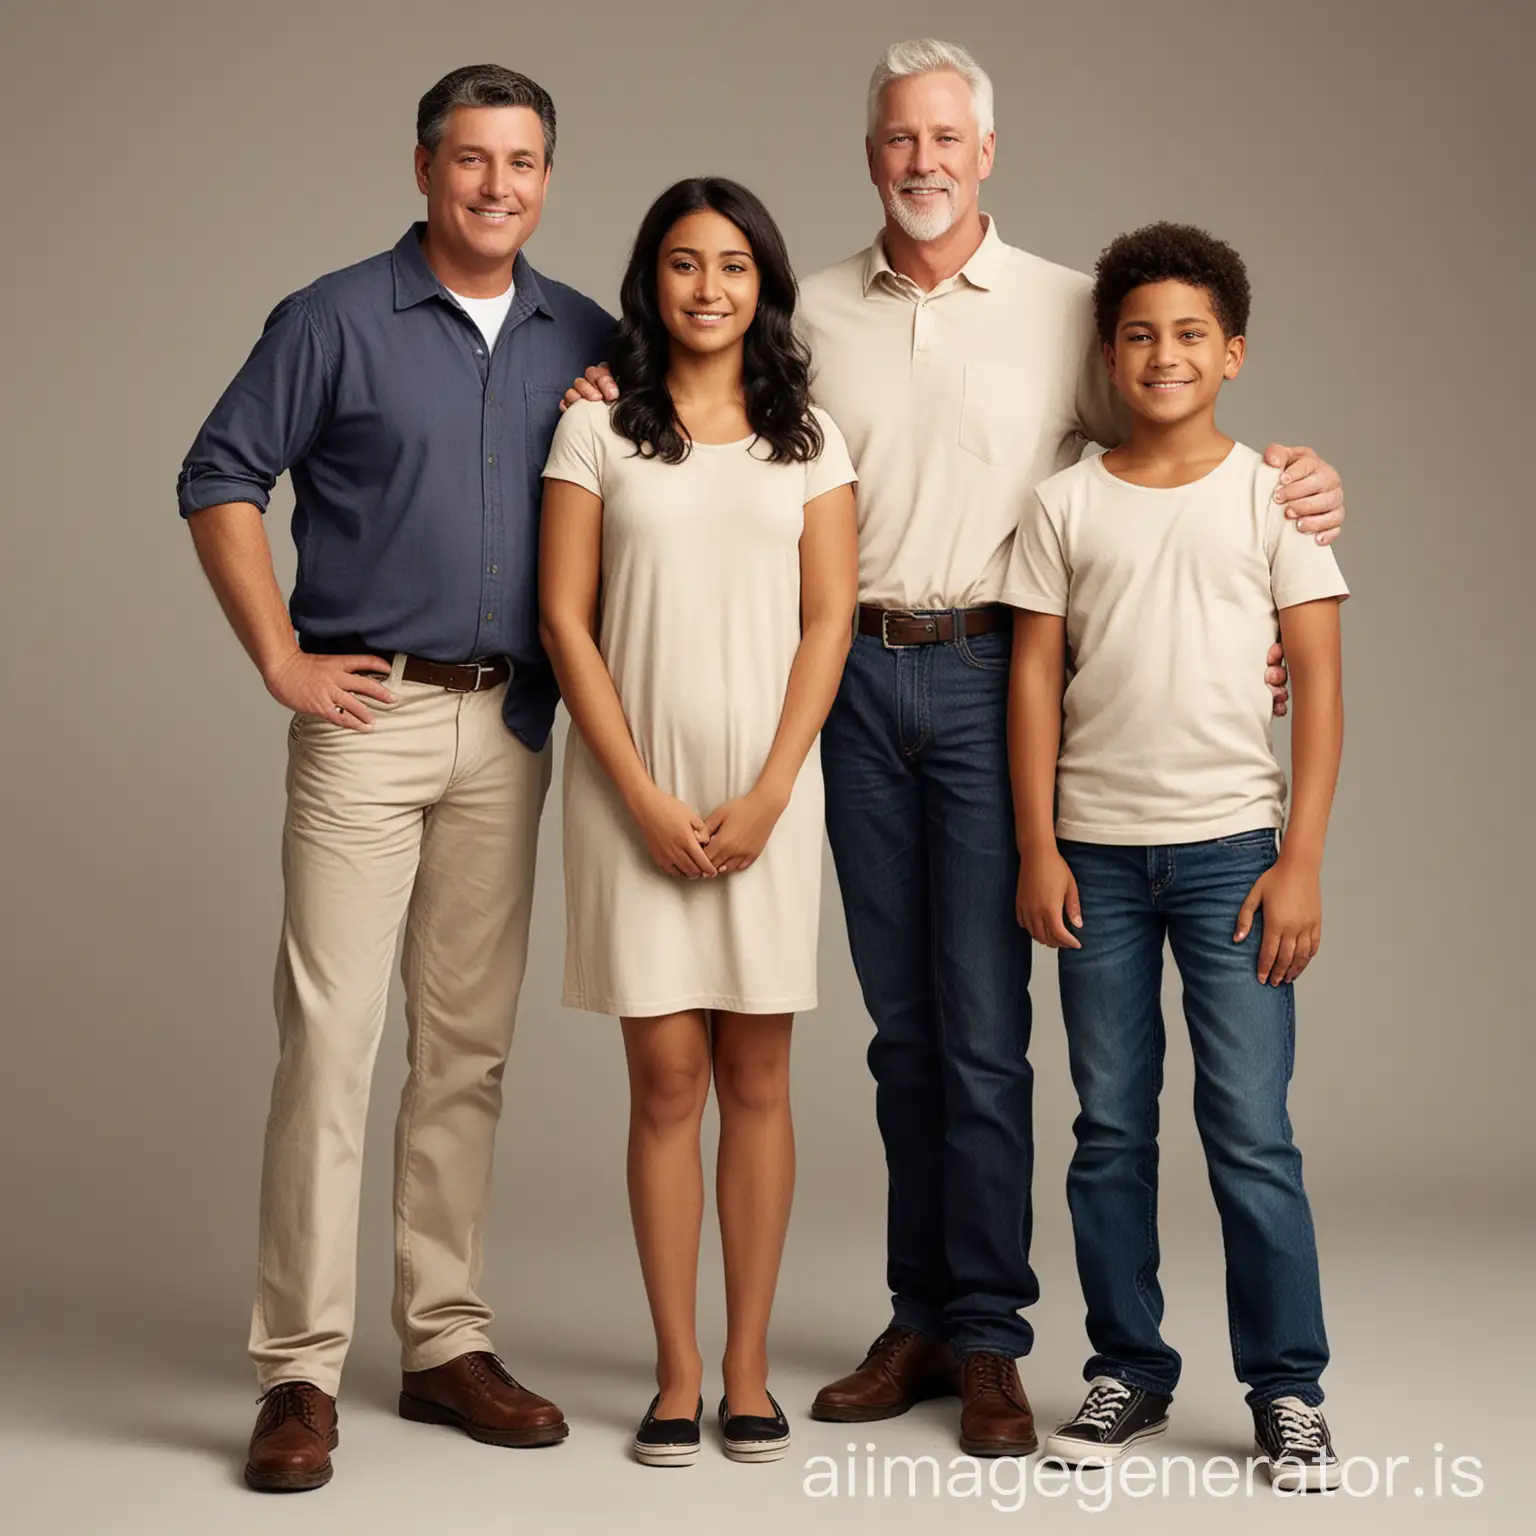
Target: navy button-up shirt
{"x":415,"y":459}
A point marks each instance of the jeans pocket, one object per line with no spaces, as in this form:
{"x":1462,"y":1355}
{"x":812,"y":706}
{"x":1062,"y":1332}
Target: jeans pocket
{"x":986,"y":653}
{"x":1262,"y":840}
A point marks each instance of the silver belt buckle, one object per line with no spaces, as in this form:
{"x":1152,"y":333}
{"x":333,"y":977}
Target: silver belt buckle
{"x":902,"y":613}
{"x":481,"y":668}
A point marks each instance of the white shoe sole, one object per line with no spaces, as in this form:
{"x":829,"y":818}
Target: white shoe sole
{"x":665,"y":1455}
{"x":1073,"y":1452}
{"x":1303,"y":1476}
{"x":757,"y":1450}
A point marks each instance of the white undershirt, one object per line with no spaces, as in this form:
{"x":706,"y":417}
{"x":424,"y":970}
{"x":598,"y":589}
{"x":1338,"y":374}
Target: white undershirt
{"x":487,"y":313}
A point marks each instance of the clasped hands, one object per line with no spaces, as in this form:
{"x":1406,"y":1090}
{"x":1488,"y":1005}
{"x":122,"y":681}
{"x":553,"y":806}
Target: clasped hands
{"x":694,"y":847}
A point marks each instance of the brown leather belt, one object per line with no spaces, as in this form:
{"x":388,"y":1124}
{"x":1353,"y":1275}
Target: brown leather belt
{"x":470,"y":677}
{"x":898,"y":627}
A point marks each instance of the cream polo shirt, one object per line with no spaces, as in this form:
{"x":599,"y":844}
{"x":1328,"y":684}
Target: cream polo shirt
{"x":1171,"y":600}
{"x":954,"y":404}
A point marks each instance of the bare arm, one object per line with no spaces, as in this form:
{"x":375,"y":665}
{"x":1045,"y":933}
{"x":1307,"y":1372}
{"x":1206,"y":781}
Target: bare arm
{"x":829,"y":573}
{"x":231,"y":543}
{"x":1037,"y":675}
{"x":570,"y":564}
{"x":1290,"y":893}
{"x":1310,"y":632}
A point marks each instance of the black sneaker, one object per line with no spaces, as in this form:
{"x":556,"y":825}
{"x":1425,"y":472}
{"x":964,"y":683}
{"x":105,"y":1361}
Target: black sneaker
{"x":1292,"y":1437}
{"x":668,"y":1442}
{"x":1113,"y":1418}
{"x":754,"y":1437}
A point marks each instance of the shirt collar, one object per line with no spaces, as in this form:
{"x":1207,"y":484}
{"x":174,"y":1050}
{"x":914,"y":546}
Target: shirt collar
{"x":981,"y":271}
{"x":416,"y":282}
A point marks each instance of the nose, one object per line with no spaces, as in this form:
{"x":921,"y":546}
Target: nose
{"x":925,"y":158}
{"x":1165,"y":355}
{"x":496,"y":183}
{"x":705,"y":288}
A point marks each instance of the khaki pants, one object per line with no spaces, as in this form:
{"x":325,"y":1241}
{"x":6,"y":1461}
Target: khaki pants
{"x":432,"y":817}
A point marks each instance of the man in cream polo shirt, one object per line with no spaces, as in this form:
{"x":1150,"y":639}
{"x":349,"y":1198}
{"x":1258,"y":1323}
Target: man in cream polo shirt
{"x":962,"y":372}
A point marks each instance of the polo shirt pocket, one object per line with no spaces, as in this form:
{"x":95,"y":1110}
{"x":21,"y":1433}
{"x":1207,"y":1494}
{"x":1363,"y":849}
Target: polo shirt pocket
{"x":990,"y":416}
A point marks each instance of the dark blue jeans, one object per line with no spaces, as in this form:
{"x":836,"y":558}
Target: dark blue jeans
{"x":1243,"y":1038}
{"x":920,"y":820}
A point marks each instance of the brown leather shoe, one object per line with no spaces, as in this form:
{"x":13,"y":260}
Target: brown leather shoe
{"x":477,"y":1393}
{"x":902,"y":1367}
{"x":293,"y":1439}
{"x":995,"y":1416}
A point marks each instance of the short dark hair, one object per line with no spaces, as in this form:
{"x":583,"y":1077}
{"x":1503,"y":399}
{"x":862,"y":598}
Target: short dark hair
{"x":1164,"y":252}
{"x":776,"y":374}
{"x":482,"y":85}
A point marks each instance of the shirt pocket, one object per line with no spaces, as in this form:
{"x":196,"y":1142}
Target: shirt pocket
{"x":543,"y":417}
{"x":991,"y":417}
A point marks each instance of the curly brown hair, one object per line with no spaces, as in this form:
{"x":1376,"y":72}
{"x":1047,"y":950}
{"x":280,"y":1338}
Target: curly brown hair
{"x":1164,"y":252}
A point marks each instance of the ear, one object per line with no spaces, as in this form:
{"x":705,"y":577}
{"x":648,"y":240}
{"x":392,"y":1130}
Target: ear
{"x":869,"y":159}
{"x":423,"y":166}
{"x":1237,"y":350}
{"x":987,"y":157}
{"x":1109,"y":357}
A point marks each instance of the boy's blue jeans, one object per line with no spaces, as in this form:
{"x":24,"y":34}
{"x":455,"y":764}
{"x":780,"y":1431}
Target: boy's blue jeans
{"x":1243,"y":1037}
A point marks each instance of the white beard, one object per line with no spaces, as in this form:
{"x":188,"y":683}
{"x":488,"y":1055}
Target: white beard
{"x":924,"y":223}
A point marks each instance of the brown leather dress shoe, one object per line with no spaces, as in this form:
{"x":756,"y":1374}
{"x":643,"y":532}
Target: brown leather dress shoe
{"x":293,"y":1439}
{"x":902,"y":1367}
{"x":995,"y":1416}
{"x":477,"y":1393}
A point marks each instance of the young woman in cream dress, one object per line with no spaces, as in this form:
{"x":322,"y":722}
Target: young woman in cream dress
{"x":698,"y":580}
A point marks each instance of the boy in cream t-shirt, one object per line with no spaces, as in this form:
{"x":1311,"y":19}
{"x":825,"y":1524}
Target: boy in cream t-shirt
{"x":1148,"y":806}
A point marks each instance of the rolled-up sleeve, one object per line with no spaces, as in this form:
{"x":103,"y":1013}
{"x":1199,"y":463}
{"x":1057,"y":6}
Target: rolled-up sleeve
{"x":268,"y":417}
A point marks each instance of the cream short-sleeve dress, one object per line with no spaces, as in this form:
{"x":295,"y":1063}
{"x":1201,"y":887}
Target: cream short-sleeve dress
{"x":699,"y":622}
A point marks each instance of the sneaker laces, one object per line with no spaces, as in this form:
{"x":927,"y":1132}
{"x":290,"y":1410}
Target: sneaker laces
{"x":1302,"y":1427}
{"x":1106,"y":1397}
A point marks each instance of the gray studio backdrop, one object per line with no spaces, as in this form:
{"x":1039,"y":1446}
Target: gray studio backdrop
{"x":172,"y":169}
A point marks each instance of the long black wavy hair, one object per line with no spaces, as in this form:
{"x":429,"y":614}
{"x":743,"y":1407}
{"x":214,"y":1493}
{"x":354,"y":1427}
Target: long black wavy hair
{"x":775,"y":362}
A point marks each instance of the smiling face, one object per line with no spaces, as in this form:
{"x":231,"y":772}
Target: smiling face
{"x":706,"y":282}
{"x":484,"y":186}
{"x":926,"y":156}
{"x":1170,"y":357}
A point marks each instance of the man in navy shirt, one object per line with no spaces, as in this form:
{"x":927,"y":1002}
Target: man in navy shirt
{"x":412,"y":398}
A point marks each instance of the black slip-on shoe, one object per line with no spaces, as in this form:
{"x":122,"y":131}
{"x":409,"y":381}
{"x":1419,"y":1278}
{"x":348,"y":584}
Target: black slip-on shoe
{"x":753,"y":1436}
{"x":668,"y":1442}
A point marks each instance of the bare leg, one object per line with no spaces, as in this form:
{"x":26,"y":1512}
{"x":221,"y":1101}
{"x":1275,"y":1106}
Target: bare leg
{"x":754,"y":1184}
{"x":668,"y":1085}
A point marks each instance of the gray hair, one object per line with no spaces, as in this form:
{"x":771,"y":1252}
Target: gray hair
{"x":926,"y":56}
{"x":482,"y":85}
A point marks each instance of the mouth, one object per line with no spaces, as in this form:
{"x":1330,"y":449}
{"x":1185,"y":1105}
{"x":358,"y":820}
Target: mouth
{"x":492,"y":215}
{"x":1166,"y":386}
{"x":706,"y":316}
